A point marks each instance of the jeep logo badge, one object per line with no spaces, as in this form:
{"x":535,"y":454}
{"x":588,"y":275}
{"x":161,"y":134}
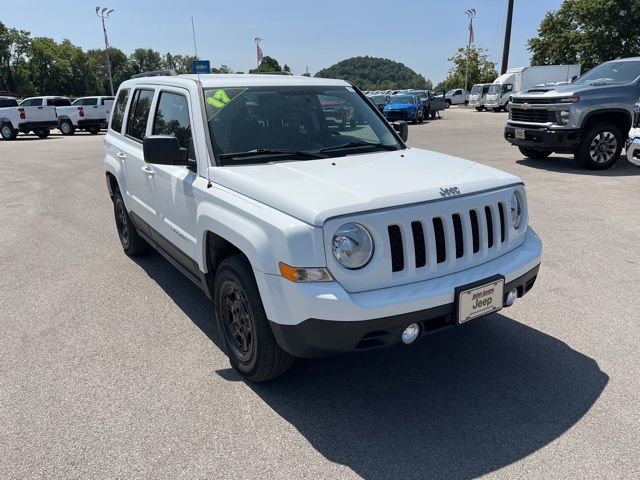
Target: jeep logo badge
{"x":449,"y":192}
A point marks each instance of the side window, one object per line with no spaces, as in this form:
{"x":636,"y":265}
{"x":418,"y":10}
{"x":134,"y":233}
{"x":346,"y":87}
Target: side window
{"x":34,"y":102}
{"x":172,"y":118}
{"x":90,"y":101}
{"x":118,"y":110}
{"x":139,"y":113}
{"x":106,"y":100}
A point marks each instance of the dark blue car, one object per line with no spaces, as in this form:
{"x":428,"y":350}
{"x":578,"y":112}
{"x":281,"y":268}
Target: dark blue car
{"x":404,"y":107}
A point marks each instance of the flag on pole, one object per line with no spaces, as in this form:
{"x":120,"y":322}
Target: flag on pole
{"x":259,"y":53}
{"x":471,"y":37}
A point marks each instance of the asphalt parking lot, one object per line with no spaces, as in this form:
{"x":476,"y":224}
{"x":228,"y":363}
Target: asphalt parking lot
{"x":112,"y":368}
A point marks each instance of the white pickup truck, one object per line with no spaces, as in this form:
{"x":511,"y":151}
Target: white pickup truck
{"x":309,"y":238}
{"x":15,"y":118}
{"x":456,"y":96}
{"x":86,"y":113}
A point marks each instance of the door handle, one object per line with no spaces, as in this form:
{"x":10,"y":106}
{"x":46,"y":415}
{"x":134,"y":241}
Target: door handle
{"x":121,"y":156}
{"x":148,"y":170}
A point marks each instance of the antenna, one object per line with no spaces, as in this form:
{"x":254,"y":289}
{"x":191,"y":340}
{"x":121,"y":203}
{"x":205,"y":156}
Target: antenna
{"x":195,"y":45}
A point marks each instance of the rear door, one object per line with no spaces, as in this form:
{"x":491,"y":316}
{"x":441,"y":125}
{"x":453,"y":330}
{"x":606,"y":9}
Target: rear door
{"x":92,"y":110}
{"x":437,"y":100}
{"x":36,"y":110}
{"x":139,"y":176}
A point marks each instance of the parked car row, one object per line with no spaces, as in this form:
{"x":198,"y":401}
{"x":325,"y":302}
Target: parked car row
{"x":409,"y":105}
{"x":42,"y":114}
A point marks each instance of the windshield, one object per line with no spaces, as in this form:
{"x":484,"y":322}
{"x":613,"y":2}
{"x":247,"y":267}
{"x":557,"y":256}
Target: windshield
{"x":495,"y":88}
{"x":476,"y":89}
{"x":401,"y":99}
{"x":612,"y":73}
{"x":301,"y":122}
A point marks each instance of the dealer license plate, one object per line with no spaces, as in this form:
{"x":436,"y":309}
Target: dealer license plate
{"x":520,"y":133}
{"x":482,"y":300}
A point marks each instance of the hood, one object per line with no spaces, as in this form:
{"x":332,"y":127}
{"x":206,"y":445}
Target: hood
{"x":399,"y":106}
{"x":316,"y":190}
{"x":567,"y":90}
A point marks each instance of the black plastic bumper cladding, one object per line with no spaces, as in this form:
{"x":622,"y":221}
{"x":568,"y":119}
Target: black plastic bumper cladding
{"x":544,"y":139}
{"x":315,"y":338}
{"x":37,"y":125}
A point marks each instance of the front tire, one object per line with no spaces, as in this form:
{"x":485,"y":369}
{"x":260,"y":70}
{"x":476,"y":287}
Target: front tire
{"x":600,"y":147}
{"x":248,"y":340}
{"x":8,"y":132}
{"x":479,"y":109}
{"x":533,"y":153}
{"x":132,"y":243}
{"x":447,"y":103}
{"x":67,"y":128}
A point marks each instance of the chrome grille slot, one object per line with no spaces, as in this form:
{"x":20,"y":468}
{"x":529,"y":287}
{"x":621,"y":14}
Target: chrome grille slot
{"x":397,"y":250}
{"x":488,"y":216}
{"x":502,"y":222}
{"x":475,"y":231}
{"x":418,"y":244}
{"x":457,"y":230}
{"x":441,"y":249}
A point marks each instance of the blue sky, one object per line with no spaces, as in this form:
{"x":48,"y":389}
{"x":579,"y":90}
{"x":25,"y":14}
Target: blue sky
{"x":422,"y":35}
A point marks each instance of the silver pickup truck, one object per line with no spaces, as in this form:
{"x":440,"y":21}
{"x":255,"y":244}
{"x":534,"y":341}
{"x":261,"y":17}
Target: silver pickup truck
{"x":589,"y":117}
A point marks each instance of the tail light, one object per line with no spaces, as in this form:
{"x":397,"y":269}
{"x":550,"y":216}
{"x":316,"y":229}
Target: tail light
{"x":81,"y":111}
{"x":22,"y":113}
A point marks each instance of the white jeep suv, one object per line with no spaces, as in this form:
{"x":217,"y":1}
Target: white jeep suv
{"x":310,"y":238}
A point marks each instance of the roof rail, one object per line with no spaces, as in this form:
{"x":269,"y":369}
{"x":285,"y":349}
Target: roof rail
{"x":156,"y":73}
{"x":271,"y":73}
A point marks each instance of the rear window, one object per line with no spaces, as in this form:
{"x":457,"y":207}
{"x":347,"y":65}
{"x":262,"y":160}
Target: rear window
{"x":139,"y":113}
{"x":59,"y":102}
{"x":8,"y":102}
{"x":118,"y":110}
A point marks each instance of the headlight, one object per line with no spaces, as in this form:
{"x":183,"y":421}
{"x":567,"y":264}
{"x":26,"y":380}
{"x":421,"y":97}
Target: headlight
{"x":516,"y":210}
{"x":352,"y":246}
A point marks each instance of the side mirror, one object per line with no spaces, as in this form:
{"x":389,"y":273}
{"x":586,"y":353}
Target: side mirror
{"x":164,"y":150}
{"x":402,"y":128}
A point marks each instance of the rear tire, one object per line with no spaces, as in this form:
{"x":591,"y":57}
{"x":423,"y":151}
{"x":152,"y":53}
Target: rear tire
{"x":600,"y":147}
{"x":447,"y":103}
{"x":67,"y":128}
{"x":497,"y":109}
{"x":8,"y":132}
{"x":248,"y":340}
{"x":43,"y":132}
{"x":533,"y":153}
{"x":132,"y":243}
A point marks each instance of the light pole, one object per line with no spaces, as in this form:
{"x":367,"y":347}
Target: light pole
{"x":470,"y":13}
{"x":104,"y":14}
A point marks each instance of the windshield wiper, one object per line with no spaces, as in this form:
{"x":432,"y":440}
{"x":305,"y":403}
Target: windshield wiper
{"x":262,"y":152}
{"x":358,"y":145}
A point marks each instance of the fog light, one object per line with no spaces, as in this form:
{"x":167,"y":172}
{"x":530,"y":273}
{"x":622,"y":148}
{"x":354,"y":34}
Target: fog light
{"x":410,"y":333}
{"x":511,"y":298}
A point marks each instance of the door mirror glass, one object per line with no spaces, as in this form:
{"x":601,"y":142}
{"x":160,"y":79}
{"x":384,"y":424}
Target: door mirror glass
{"x":402,"y":128}
{"x":164,"y":150}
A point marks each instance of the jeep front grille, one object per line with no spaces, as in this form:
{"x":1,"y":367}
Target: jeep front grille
{"x":450,"y":239}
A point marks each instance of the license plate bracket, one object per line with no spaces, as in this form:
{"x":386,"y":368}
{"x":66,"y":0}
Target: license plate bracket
{"x":479,"y":298}
{"x":520,"y":134}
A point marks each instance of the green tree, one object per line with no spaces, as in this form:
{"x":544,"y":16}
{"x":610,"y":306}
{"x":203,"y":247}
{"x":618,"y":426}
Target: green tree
{"x":15,"y":46}
{"x":429,"y":84}
{"x":97,"y":65}
{"x":481,"y":69}
{"x":268,"y":64}
{"x":588,"y":32}
{"x":146,"y":60}
{"x":371,"y":73}
{"x":222,"y":69}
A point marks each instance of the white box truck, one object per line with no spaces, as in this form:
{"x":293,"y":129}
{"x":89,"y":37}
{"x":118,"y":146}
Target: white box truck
{"x":522,"y":78}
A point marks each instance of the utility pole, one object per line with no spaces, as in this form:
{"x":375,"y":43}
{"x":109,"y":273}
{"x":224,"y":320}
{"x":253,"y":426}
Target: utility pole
{"x":195,"y":45}
{"x":104,"y":14}
{"x":507,"y":38}
{"x":470,"y":13}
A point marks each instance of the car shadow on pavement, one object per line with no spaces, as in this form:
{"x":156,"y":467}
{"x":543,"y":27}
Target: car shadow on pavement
{"x":458,"y":404}
{"x":622,"y":168}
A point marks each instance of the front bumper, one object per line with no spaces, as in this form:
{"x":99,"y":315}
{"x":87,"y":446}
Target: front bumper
{"x":316,"y":319}
{"x":543,"y":138}
{"x":393,"y":115}
{"x":633,"y":150}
